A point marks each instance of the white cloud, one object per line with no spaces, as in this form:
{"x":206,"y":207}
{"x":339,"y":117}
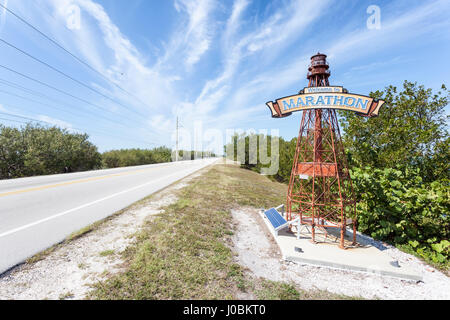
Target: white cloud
{"x":103,"y":45}
{"x":56,"y":122}
{"x":362,"y":42}
{"x":194,"y":35}
{"x":286,"y":23}
{"x":234,"y":21}
{"x":3,"y":14}
{"x":252,"y":64}
{"x":401,"y":28}
{"x":162,"y":122}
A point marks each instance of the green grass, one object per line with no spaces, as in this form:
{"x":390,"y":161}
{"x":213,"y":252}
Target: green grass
{"x":106,"y":253}
{"x":443,"y":267}
{"x":273,"y":290}
{"x":183,"y":253}
{"x":83,"y":231}
{"x":82,"y":266}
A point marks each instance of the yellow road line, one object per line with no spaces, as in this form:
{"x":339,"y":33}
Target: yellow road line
{"x":73,"y":182}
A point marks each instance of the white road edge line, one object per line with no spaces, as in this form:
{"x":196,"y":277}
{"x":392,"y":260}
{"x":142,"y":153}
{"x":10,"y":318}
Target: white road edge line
{"x":7,"y":233}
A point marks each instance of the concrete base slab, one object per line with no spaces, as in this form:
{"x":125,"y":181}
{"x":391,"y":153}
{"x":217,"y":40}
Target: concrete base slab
{"x":362,"y":257}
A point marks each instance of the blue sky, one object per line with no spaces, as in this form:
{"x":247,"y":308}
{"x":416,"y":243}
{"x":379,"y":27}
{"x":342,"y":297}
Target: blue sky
{"x":211,"y":62}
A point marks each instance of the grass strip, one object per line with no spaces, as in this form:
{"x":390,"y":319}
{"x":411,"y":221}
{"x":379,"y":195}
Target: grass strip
{"x":184,"y":252}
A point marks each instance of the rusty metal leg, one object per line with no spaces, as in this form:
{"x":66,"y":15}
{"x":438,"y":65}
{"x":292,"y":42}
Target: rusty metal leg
{"x":341,"y":245}
{"x":354,"y":233}
{"x":313,"y":233}
{"x":288,"y":211}
{"x":324,"y":229}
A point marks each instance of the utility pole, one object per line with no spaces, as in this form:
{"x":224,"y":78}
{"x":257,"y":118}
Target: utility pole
{"x":176,"y":155}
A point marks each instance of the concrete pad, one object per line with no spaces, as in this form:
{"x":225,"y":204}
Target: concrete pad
{"x":362,"y":257}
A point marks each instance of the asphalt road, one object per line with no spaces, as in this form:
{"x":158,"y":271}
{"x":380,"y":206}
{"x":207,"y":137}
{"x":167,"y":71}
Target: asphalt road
{"x":38,"y":212}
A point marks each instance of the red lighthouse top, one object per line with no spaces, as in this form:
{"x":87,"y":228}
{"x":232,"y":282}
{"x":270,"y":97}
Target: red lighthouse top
{"x":318,"y":71}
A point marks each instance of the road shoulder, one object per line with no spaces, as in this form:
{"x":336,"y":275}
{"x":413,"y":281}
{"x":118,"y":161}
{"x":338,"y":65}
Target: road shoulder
{"x":67,"y":270}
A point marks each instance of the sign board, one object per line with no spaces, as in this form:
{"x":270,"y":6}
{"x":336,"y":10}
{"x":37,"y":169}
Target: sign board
{"x":325,"y":98}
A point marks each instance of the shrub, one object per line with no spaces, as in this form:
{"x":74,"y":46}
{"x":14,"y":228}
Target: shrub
{"x":397,"y":207}
{"x":135,"y":157}
{"x":35,"y":150}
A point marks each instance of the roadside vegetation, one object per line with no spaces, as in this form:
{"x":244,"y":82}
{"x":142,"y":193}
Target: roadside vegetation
{"x":34,"y":150}
{"x":135,"y":157}
{"x":399,"y":164}
{"x":185,"y":252}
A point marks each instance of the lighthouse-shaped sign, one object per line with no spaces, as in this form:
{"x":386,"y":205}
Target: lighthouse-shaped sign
{"x":320,"y":190}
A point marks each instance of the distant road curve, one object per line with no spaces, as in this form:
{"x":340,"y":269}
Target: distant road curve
{"x":38,"y":212}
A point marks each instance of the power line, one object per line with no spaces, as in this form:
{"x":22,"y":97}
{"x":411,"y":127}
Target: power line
{"x":68,"y":94}
{"x":26,"y":118}
{"x":68,"y":76}
{"x":70,"y":53}
{"x":13,"y":120}
{"x":100,"y":132}
{"x":70,"y":128}
{"x":64,"y":74}
{"x":60,"y":91}
{"x":14,"y":85}
{"x":35,"y":93}
{"x":35,"y":101}
{"x":57,"y":108}
{"x":18,"y":86}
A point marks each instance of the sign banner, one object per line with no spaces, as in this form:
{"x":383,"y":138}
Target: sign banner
{"x":325,"y":98}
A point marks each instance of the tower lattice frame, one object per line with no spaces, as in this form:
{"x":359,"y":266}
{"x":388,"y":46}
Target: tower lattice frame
{"x":320,"y":189}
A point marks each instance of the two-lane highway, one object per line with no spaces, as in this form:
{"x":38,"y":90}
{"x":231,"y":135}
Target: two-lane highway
{"x":38,"y":212}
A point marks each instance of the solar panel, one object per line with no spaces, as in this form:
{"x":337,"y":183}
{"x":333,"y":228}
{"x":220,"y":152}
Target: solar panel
{"x":275,"y":218}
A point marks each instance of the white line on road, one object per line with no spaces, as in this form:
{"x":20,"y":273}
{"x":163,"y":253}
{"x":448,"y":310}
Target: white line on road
{"x":84,"y":206}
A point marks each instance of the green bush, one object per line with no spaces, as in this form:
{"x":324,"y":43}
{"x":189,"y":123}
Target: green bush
{"x":399,"y":167}
{"x":394,"y":204}
{"x":397,"y":207}
{"x":135,"y":157}
{"x":35,"y":150}
{"x":286,"y":154}
{"x":411,"y":131}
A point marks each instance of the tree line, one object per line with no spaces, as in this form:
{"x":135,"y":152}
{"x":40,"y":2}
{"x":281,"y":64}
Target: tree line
{"x":35,"y":150}
{"x":399,"y":165}
{"x":136,"y":157}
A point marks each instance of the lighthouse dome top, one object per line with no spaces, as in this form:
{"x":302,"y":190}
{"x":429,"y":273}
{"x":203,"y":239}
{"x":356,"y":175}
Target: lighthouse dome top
{"x":319,"y":59}
{"x":319,"y":56}
{"x":318,"y":72}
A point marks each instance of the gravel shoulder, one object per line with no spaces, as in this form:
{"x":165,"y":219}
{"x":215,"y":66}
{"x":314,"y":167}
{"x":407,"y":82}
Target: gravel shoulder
{"x":69,"y":270}
{"x":258,"y":252}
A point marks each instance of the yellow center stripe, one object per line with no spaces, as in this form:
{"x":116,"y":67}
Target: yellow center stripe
{"x":73,"y":182}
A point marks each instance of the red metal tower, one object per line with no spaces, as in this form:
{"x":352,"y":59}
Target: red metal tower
{"x":320,"y":190}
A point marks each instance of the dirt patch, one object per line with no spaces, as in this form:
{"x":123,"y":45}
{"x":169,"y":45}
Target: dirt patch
{"x":257,"y":251}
